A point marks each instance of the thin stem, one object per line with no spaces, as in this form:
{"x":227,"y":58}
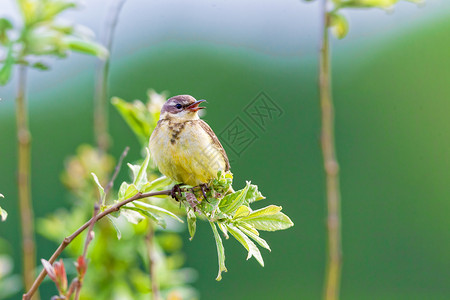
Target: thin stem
{"x":24,"y":170}
{"x":152,"y":262}
{"x":70,"y":238}
{"x":90,"y":236}
{"x":101,"y":101}
{"x":331,"y":166}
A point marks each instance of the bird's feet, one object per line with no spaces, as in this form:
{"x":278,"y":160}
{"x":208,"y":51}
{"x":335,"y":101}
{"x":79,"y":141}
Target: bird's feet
{"x":176,"y":192}
{"x":204,"y":187}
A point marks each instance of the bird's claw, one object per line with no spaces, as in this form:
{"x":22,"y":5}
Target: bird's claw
{"x":204,"y":187}
{"x":176,"y":190}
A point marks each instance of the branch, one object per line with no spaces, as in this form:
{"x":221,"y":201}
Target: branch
{"x":152,"y":262}
{"x":23,"y":180}
{"x":101,"y":105}
{"x":90,"y":236}
{"x":331,"y":166}
{"x":70,"y":238}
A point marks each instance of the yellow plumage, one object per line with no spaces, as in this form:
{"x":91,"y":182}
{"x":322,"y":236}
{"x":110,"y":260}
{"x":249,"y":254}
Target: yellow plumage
{"x":185,"y":149}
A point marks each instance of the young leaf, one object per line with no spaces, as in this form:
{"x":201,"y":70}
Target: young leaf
{"x":157,"y":219}
{"x":5,"y":71}
{"x":130,"y":213}
{"x":100,"y":188}
{"x":220,"y":252}
{"x":268,"y":210}
{"x":230,"y":203}
{"x":141,"y":176}
{"x":137,"y":116}
{"x":156,"y":210}
{"x":247,"y":243}
{"x":5,"y":26}
{"x":338,"y":24}
{"x":269,"y":222}
{"x":242,"y":211}
{"x":255,"y":237}
{"x":3,"y":213}
{"x":119,"y":234}
{"x":253,"y":194}
{"x":192,"y":224}
{"x":86,"y":47}
{"x":224,"y":229}
{"x":158,"y":183}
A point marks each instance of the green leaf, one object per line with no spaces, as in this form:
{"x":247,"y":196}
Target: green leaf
{"x":230,"y":203}
{"x":3,"y":213}
{"x":268,"y":222}
{"x":224,"y":229}
{"x":119,"y":234}
{"x":242,"y":211}
{"x":86,"y":47}
{"x":6,"y":70}
{"x":248,"y":227}
{"x":156,"y":210}
{"x":220,"y":252}
{"x":137,"y":116}
{"x":53,"y":8}
{"x":40,"y":66}
{"x":5,"y":26}
{"x":161,"y":182}
{"x":157,"y":219}
{"x":192,"y":222}
{"x":339,"y":25}
{"x":131,"y":214}
{"x":253,"y":194}
{"x":247,"y":243}
{"x":141,"y":177}
{"x":268,"y":210}
{"x":255,"y":237}
{"x":100,"y":188}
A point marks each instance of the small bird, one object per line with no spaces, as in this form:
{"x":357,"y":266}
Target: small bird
{"x":184,"y":147}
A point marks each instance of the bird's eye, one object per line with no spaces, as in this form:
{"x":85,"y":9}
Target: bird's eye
{"x":178,"y":106}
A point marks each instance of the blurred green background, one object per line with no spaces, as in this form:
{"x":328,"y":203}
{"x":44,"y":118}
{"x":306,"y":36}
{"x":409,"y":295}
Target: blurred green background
{"x":392,"y":130}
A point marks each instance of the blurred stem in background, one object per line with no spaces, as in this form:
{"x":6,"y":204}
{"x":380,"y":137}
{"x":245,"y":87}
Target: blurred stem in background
{"x":152,"y":261}
{"x":331,"y":166}
{"x":23,"y":178}
{"x":102,"y":138}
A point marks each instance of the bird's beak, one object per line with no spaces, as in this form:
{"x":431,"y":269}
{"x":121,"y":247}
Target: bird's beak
{"x":195,"y":106}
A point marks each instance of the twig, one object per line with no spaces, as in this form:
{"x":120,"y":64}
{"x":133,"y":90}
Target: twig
{"x":101,"y":103}
{"x":70,"y":238}
{"x":152,"y":262}
{"x":334,"y":261}
{"x":116,"y":170}
{"x":89,"y":236}
{"x":24,"y":166}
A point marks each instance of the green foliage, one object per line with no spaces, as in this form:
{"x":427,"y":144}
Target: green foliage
{"x":223,"y":208}
{"x":231,"y":212}
{"x":10,"y":283}
{"x":338,"y":22}
{"x":118,"y":267}
{"x":42,"y":33}
{"x":3,"y":213}
{"x":141,"y":118}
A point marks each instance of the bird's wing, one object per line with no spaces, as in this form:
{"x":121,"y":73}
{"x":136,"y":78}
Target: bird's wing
{"x":216,"y":142}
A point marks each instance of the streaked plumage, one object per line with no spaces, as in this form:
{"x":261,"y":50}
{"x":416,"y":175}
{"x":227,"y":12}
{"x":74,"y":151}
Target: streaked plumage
{"x":184,"y":147}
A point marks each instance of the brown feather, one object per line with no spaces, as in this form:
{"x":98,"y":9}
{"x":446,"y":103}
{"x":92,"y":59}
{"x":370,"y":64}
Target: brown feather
{"x":215,"y":141}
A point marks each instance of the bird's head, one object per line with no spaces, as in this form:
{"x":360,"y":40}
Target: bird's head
{"x":182,"y":107}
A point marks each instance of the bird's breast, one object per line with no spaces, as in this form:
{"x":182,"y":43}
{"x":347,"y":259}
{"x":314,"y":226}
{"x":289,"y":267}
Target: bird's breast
{"x":184,"y":152}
